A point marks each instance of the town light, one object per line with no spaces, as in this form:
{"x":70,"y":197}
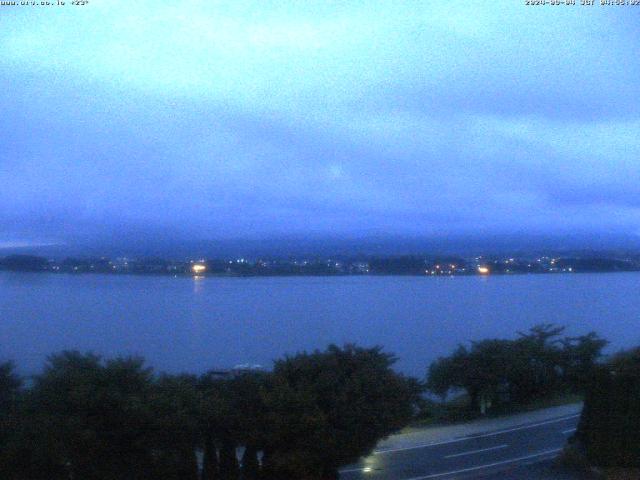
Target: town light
{"x":483,"y":270}
{"x":198,"y":268}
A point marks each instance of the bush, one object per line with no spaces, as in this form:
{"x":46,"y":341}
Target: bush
{"x":610,"y":424}
{"x":499,"y":374}
{"x":94,"y":419}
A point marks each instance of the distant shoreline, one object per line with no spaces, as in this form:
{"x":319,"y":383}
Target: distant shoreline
{"x":421,"y":266}
{"x":310,"y":275}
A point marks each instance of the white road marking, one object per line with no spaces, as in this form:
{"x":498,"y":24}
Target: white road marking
{"x":488,"y":465}
{"x":464,"y":439}
{"x":471,"y":452}
{"x":571,"y":430}
{"x":350,"y":470}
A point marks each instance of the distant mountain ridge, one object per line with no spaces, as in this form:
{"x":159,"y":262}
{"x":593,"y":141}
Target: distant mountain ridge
{"x":290,"y":246}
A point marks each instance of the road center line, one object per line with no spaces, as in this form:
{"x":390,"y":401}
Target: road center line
{"x":488,"y":465}
{"x":471,"y":452}
{"x":471,"y":437}
{"x":571,"y":430}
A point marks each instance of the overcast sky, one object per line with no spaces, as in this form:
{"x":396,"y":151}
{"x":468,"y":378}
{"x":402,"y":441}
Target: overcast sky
{"x":253,"y":119}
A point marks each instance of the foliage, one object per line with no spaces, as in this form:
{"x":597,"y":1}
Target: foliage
{"x":93,"y":419}
{"x":10,"y":385}
{"x":609,"y":426}
{"x":346,"y":399}
{"x":232,"y":415}
{"x":175,"y":402}
{"x":498,"y":373}
{"x":96,"y":415}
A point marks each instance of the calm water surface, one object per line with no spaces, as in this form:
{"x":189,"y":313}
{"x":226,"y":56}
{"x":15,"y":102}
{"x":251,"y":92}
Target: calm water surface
{"x":183,"y":324}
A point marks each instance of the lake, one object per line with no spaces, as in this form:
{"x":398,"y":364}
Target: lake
{"x":187,"y":324}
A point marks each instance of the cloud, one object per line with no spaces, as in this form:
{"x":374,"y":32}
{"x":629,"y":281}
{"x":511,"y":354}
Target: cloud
{"x":259,"y":118}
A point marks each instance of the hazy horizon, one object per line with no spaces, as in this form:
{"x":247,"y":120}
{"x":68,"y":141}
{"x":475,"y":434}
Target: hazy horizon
{"x":326,"y":246}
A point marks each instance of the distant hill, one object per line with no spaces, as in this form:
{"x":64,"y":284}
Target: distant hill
{"x":165,"y":246}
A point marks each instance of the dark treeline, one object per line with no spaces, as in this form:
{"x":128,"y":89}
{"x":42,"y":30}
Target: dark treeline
{"x":502,"y":375}
{"x":92,"y":419}
{"x":609,"y":429}
{"x":498,"y":374}
{"x":25,"y":263}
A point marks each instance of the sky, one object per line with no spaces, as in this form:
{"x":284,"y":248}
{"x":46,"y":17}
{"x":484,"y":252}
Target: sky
{"x":257,"y":119}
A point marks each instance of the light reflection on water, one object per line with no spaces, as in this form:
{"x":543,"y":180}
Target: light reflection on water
{"x":198,"y":286}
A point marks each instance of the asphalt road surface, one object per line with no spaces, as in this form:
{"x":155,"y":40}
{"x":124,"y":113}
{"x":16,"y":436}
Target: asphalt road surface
{"x":468,"y":457}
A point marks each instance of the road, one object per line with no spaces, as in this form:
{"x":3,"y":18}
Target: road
{"x":470,"y":456}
